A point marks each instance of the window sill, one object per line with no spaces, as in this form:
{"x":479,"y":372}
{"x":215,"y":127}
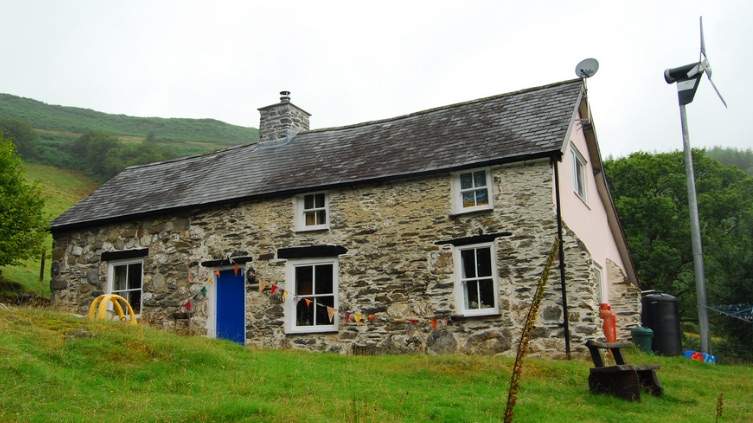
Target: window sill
{"x":471,"y":211}
{"x":312,"y":229}
{"x":492,"y":313}
{"x":582,"y":199}
{"x":316,"y":331}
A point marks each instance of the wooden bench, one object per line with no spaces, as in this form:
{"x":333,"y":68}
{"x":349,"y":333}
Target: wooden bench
{"x":622,"y":380}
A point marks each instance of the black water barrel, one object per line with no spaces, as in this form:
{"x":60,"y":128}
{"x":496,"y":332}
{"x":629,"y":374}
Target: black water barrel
{"x":661,"y":313}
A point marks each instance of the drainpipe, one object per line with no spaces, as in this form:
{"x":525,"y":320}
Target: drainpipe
{"x":563,"y":286}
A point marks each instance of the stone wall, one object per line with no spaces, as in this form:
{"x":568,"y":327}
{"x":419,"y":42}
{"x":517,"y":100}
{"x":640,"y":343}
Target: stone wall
{"x":393,"y":269}
{"x":625,"y":298}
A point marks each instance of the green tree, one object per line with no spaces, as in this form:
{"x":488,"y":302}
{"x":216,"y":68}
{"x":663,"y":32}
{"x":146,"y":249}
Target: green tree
{"x":22,"y":135}
{"x":22,"y":224}
{"x":650,"y":194}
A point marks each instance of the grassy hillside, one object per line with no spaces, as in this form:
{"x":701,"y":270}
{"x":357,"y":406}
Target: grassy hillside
{"x":62,"y":120}
{"x":61,"y":189}
{"x":60,"y":367}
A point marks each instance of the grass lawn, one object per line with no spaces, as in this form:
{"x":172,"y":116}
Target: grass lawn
{"x":61,"y":188}
{"x":62,"y":368}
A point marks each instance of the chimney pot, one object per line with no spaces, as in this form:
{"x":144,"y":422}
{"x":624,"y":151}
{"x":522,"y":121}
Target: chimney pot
{"x":284,"y":96}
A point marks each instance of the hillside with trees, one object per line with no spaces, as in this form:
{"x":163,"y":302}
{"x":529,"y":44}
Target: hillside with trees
{"x":101,"y":144}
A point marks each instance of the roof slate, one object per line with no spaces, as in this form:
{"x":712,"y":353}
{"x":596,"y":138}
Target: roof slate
{"x":514,"y":125}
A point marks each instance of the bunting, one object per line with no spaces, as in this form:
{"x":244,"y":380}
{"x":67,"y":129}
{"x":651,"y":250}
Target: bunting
{"x":308,"y":302}
{"x":236,"y":269}
{"x":331,"y":313}
{"x":262,"y":285}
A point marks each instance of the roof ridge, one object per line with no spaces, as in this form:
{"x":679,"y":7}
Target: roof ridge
{"x":195,"y":156}
{"x":435,"y":109}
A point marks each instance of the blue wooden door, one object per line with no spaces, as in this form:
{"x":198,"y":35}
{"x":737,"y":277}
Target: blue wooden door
{"x":231,"y":306}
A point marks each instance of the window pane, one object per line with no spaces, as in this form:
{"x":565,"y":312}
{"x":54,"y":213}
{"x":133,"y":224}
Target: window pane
{"x":466,"y":180}
{"x":466,"y":256}
{"x":322,"y":318}
{"x":119,"y":278}
{"x":134,"y":299}
{"x":468,"y":199}
{"x":303,"y":280}
{"x":310,"y":218}
{"x":321,"y":217}
{"x":324,"y":279}
{"x":482,"y":197}
{"x":308,"y":201}
{"x":319,"y":200}
{"x":304,"y":312}
{"x":487,"y":293}
{"x":134,"y":276}
{"x":471,"y":295}
{"x":484,"y":261}
{"x":479,"y":178}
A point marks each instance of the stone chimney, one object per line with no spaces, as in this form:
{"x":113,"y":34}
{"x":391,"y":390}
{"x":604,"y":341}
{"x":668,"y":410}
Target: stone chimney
{"x":283,"y":120}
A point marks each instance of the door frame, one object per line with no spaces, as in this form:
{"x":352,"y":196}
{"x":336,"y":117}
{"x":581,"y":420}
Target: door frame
{"x":212,"y":301}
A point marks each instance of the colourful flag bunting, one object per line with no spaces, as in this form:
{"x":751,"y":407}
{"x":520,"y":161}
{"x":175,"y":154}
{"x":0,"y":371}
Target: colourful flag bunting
{"x":331,"y":312}
{"x":357,"y":317}
{"x":274,"y":289}
{"x":190,"y":277}
{"x":371,"y":317}
{"x":217,"y":273}
{"x":433,"y":324}
{"x":262,"y":285}
{"x":236,"y":269}
{"x":308,"y":302}
{"x":284,"y":295}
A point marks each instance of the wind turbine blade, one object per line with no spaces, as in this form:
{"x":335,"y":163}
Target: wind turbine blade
{"x":703,"y":43}
{"x":717,"y":92}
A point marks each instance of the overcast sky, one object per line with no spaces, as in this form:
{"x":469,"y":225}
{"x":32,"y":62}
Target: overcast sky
{"x":352,"y":61}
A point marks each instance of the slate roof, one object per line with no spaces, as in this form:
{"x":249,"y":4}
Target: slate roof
{"x":518,"y":125}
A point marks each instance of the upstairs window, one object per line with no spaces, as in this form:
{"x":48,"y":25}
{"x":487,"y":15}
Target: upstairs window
{"x":313,"y":305}
{"x":312,"y":212}
{"x":579,"y":174}
{"x":125,"y":279}
{"x":476,"y":280}
{"x":472,"y":191}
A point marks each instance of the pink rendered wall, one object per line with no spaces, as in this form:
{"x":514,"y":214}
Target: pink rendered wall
{"x":588,"y":219}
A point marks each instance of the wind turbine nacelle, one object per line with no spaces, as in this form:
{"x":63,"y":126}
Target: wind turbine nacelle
{"x":679,"y":73}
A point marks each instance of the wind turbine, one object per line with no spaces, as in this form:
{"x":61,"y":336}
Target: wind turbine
{"x":688,"y":77}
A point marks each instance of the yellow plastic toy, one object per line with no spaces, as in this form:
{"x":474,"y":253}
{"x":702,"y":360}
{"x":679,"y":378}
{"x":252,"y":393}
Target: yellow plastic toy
{"x":99,"y":307}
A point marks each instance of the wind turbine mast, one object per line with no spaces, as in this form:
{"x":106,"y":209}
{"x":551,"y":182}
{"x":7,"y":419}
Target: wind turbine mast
{"x":688,"y":77}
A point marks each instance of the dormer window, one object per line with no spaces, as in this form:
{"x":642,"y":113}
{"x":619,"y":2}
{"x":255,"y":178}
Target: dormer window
{"x":472,"y":191}
{"x":312,"y":212}
{"x":579,"y":174}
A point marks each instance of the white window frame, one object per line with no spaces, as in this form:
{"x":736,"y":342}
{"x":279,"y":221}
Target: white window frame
{"x":459,"y":292}
{"x":601,"y":283}
{"x":111,"y":280}
{"x":578,"y":159}
{"x":290,"y":303}
{"x":300,"y":216}
{"x":457,"y":191}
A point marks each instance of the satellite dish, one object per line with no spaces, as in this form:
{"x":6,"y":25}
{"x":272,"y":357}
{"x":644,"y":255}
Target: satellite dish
{"x":587,"y":68}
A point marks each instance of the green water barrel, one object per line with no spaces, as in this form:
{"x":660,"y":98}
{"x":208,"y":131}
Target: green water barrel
{"x":642,"y":338}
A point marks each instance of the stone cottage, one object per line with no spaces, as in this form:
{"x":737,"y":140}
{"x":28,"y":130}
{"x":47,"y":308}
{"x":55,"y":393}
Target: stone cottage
{"x":421,"y":233}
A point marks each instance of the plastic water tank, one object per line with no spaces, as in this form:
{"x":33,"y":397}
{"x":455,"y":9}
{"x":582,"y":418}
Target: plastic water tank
{"x":661,"y":313}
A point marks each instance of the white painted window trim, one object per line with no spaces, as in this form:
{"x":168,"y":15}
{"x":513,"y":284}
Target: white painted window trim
{"x":300,"y":219}
{"x":457,"y":197}
{"x":212,"y":301}
{"x":290,"y":303}
{"x":458,"y":276}
{"x":111,"y":280}
{"x":579,"y":159}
